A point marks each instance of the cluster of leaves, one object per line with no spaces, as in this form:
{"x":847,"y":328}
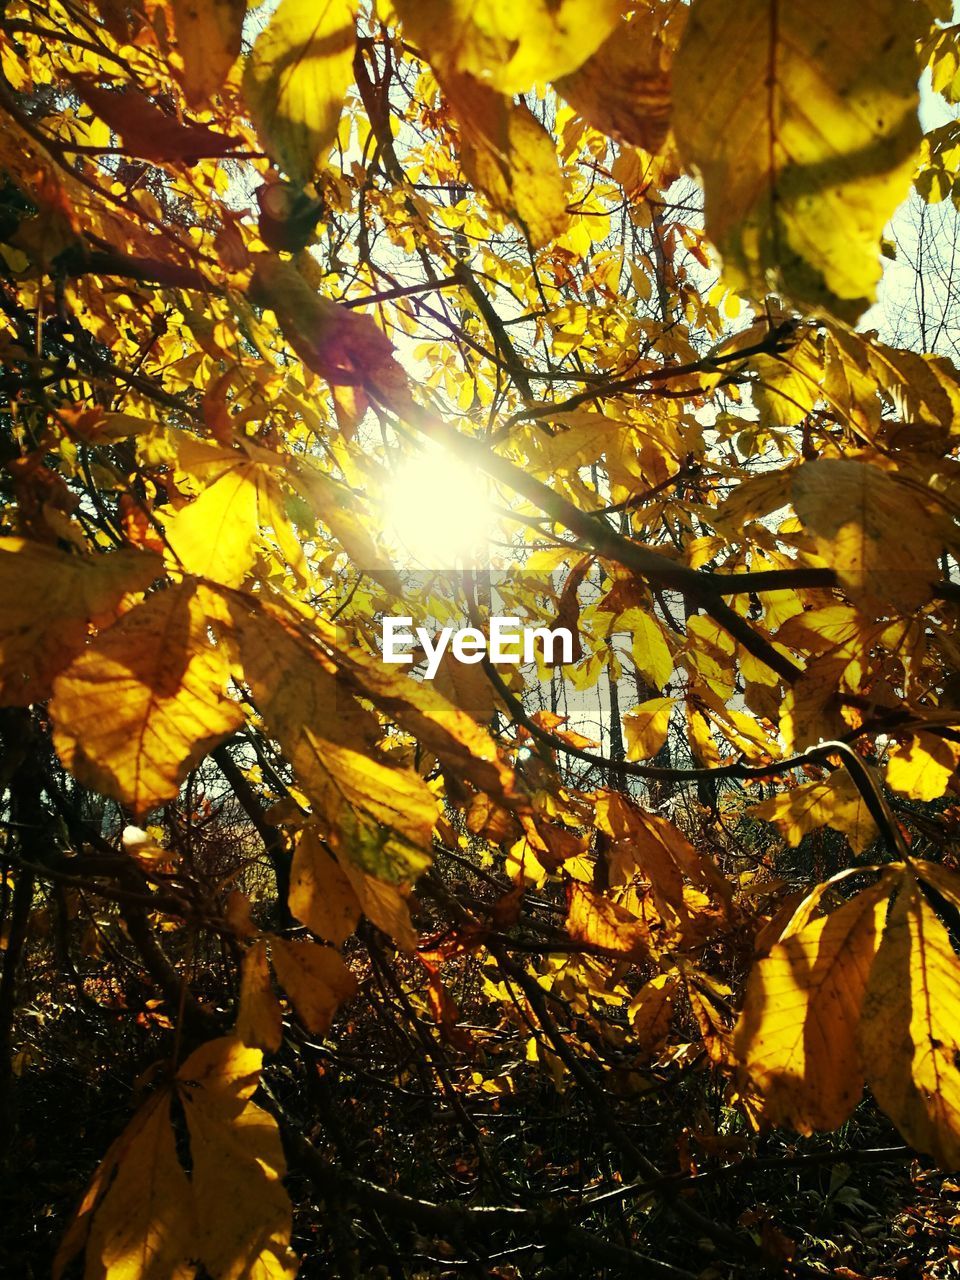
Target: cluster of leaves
{"x":228,"y":241}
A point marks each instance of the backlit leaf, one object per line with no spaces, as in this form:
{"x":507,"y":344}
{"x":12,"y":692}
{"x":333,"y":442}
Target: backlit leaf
{"x":651,"y":1012}
{"x":259,"y":1022}
{"x":832,"y":801}
{"x":510,"y":46}
{"x":646,"y":727}
{"x":321,"y":896}
{"x":624,"y":88}
{"x":853,"y":511}
{"x":909,"y":1035}
{"x":215,"y":535}
{"x":145,"y":702}
{"x":380,"y":815}
{"x":797,"y":1034}
{"x":243,"y":1212}
{"x":208,"y":37}
{"x":802,"y":120}
{"x":48,"y":598}
{"x":145,"y":1224}
{"x":507,"y":153}
{"x":922,"y":767}
{"x":601,"y":922}
{"x":296,"y":78}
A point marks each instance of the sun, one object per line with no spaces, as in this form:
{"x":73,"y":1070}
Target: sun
{"x":437,"y":509}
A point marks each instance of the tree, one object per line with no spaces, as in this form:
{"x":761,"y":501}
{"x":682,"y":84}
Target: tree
{"x":347,"y":934}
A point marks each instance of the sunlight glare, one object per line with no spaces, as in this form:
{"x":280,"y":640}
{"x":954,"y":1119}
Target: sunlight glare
{"x":438,"y":509}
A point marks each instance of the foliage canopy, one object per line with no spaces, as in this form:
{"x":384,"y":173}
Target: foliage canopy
{"x":249,"y":264}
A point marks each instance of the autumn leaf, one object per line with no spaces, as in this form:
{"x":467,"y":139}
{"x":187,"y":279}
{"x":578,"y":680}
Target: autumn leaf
{"x":648,"y":843}
{"x":649,"y":648}
{"x":344,"y":347}
{"x":208,"y":38}
{"x":242,"y":1211}
{"x":142,"y":1222}
{"x":833,"y":801}
{"x":215,"y":535}
{"x":510,"y":46}
{"x":789,"y":202}
{"x":145,"y":701}
{"x":603,"y":923}
{"x":321,"y":895}
{"x":651,"y":1013}
{"x":259,"y":1020}
{"x":148,"y":131}
{"x":385,"y":905}
{"x":646,"y":727}
{"x":382,"y":816}
{"x":296,"y":77}
{"x":853,"y":510}
{"x":315,"y":978}
{"x":796,"y":1036}
{"x":232,"y":1213}
{"x":922,"y":767}
{"x":507,"y":154}
{"x":623,"y":89}
{"x":49,"y":598}
{"x":335,"y":507}
{"x":452,"y":735}
{"x":908,"y":1029}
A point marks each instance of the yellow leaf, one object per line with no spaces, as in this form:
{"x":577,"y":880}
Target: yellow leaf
{"x":646,"y":727}
{"x":811,"y":710}
{"x":467,"y":687}
{"x":832,"y":801}
{"x":382,"y":816}
{"x":47,"y":600}
{"x":946,"y":883}
{"x":315,"y":978}
{"x":321,"y":896}
{"x":215,"y":535}
{"x":145,"y":702}
{"x":208,"y":39}
{"x":646,"y":843}
{"x":227,"y":1071}
{"x":789,"y":385}
{"x":453,"y":736}
{"x":296,"y":78}
{"x":651,"y":653}
{"x":922,"y":768}
{"x":243,"y":1213}
{"x":600,"y":922}
{"x":508,"y":46}
{"x":259,"y":1022}
{"x":910,"y":1027}
{"x":624,"y":88}
{"x":855,"y":513}
{"x":802,"y":120}
{"x":144,"y":1225}
{"x":333,"y":504}
{"x":385,"y":905}
{"x":796,"y":1036}
{"x":651,"y":1012}
{"x":507,"y":153}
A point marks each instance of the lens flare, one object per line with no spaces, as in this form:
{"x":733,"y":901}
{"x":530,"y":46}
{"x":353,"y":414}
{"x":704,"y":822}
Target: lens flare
{"x":438,"y":511}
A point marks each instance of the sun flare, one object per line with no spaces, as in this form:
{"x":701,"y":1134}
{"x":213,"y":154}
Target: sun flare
{"x":438,"y":511}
